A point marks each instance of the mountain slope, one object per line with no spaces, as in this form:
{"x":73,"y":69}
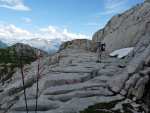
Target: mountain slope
{"x":78,"y":44}
{"x":49,"y":46}
{"x":9,"y":58}
{"x":27,"y":50}
{"x":2,"y":45}
{"x":71,"y":81}
{"x":126,"y":29}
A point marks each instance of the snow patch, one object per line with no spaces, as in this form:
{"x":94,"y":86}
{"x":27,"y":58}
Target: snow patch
{"x":121,"y":52}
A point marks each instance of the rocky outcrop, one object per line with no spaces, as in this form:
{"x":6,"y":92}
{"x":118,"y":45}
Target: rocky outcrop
{"x":74,"y":78}
{"x":147,"y":0}
{"x":71,"y":81}
{"x":79,"y":44}
{"x":125,"y":30}
{"x":3,"y":45}
{"x":9,"y":59}
{"x":75,"y":81}
{"x":27,"y":50}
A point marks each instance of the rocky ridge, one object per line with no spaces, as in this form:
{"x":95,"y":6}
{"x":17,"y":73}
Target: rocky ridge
{"x":9,"y":59}
{"x":69,"y":81}
{"x":126,"y":29}
{"x":2,"y":45}
{"x":72,"y":82}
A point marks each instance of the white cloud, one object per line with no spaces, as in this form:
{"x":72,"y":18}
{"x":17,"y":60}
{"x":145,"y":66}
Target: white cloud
{"x":14,"y":5}
{"x":112,"y":7}
{"x":11,"y":34}
{"x":52,"y":32}
{"x":12,"y":31}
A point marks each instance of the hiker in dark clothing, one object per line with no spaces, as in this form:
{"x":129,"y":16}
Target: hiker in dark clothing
{"x":100,"y":48}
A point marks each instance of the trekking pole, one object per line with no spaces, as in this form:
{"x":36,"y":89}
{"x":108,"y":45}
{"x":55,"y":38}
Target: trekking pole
{"x":23,"y":81}
{"x":37,"y":81}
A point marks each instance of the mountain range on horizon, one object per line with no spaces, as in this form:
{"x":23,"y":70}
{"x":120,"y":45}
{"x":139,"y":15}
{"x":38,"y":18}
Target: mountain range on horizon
{"x":49,"y":46}
{"x":83,"y":76}
{"x":3,"y":45}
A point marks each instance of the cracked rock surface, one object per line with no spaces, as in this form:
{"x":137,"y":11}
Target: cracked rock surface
{"x":71,"y":81}
{"x":71,"y":87}
{"x":64,"y":87}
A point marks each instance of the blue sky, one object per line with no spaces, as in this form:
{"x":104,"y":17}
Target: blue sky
{"x":82,"y":17}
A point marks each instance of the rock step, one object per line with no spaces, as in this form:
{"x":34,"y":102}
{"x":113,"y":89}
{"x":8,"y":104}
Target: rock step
{"x":66,"y":78}
{"x":43,"y":105}
{"x":74,"y":69}
{"x":60,"y":79}
{"x":26,"y":112}
{"x":78,"y":104}
{"x":72,"y":87}
{"x":80,"y":94}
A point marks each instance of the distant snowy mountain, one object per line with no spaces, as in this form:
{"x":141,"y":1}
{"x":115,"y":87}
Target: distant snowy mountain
{"x":3,"y":45}
{"x":49,"y":46}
